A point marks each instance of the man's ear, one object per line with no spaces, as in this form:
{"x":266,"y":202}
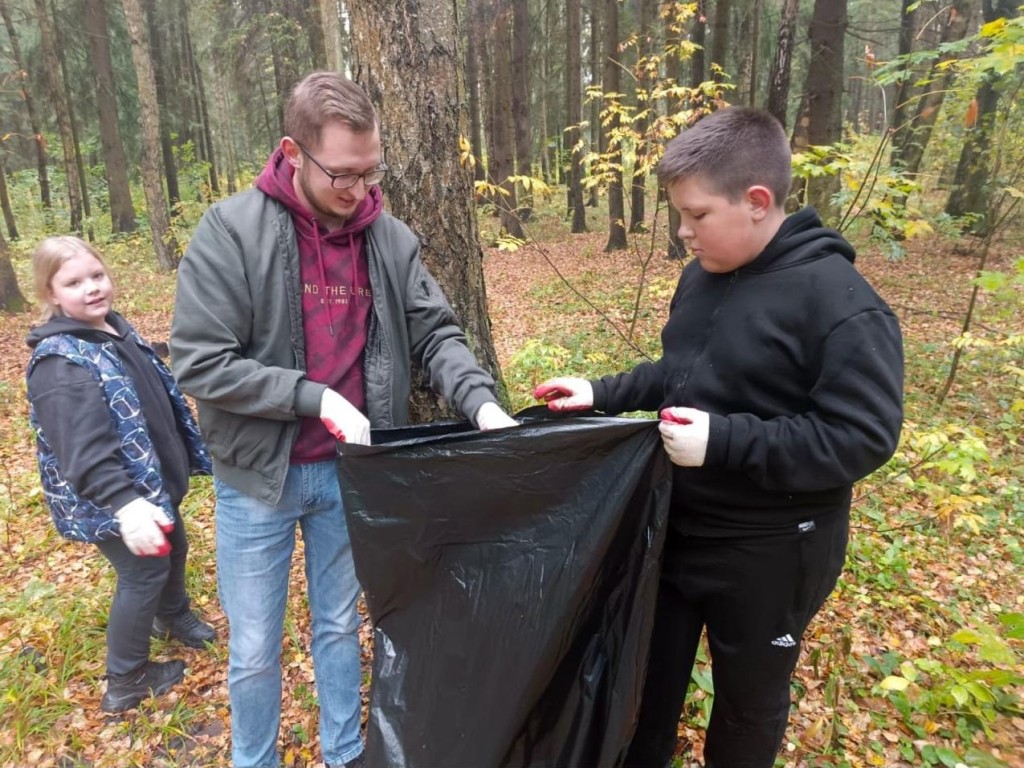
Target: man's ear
{"x":291,"y":151}
{"x":760,"y":200}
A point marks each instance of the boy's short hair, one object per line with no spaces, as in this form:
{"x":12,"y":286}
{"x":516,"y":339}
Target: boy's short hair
{"x":322,"y":97}
{"x":732,"y":149}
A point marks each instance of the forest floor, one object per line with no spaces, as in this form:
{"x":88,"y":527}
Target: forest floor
{"x":920,"y":569}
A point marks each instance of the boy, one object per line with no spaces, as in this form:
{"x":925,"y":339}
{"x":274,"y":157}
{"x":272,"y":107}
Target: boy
{"x":779,"y":386}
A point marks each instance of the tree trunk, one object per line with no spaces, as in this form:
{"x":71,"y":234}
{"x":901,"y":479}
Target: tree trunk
{"x":903,"y":88}
{"x":824,"y":92}
{"x":115,"y":164}
{"x":406,"y":56}
{"x":164,"y":243}
{"x":610,"y":83}
{"x":195,"y":75}
{"x":596,"y":134}
{"x":699,"y":35}
{"x":919,"y":132}
{"x":30,"y":107}
{"x":331,"y":22}
{"x":63,"y":113}
{"x":5,"y":204}
{"x":472,"y":70}
{"x":972,"y":188}
{"x":638,"y":179}
{"x":502,"y":154}
{"x":574,"y":114}
{"x":720,"y":38}
{"x":521,"y":119}
{"x":11,"y":298}
{"x":755,"y":51}
{"x":154,"y":50}
{"x":782,"y":64}
{"x":65,"y":82}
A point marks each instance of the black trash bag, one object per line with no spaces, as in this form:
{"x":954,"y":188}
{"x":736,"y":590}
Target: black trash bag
{"x":511,"y":579}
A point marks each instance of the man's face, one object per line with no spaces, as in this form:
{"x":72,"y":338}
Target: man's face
{"x":341,"y":150}
{"x":719,"y":232}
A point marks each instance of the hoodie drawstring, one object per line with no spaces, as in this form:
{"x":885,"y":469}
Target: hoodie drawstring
{"x":323,"y":273}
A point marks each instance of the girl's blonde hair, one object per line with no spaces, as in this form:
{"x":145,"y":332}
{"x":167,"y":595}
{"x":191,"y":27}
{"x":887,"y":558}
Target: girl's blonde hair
{"x":47,"y":259}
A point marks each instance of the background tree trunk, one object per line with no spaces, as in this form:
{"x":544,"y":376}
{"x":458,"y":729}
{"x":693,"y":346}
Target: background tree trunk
{"x":574,"y":114}
{"x":778,"y":77}
{"x":30,"y":106}
{"x":11,"y":298}
{"x":420,"y":98}
{"x":919,"y":132}
{"x":903,"y":88}
{"x":472,"y":70}
{"x":164,"y":242}
{"x":62,"y":111}
{"x":5,"y":204}
{"x":971,"y":186}
{"x":824,"y":94}
{"x":502,"y":151}
{"x":610,"y":83}
{"x":521,"y":112}
{"x":638,"y":179}
{"x":115,"y":164}
{"x":155,"y":57}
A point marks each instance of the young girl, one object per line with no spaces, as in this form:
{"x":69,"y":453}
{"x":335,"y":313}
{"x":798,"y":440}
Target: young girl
{"x":116,"y":445}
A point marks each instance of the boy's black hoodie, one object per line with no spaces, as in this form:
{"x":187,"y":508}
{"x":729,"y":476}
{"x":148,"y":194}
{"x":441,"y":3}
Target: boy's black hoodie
{"x":74,"y":416}
{"x":799,"y":362}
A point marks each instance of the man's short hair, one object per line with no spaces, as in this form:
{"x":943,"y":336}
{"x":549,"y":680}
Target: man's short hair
{"x":732,"y":150}
{"x":323,"y":97}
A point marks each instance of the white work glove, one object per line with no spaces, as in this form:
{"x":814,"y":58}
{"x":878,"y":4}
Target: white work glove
{"x":566,"y":394}
{"x":141,"y":524}
{"x":343,"y":420}
{"x":491,"y":416}
{"x":684,"y":433}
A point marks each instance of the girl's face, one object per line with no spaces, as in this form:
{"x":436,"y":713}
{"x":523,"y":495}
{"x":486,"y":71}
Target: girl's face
{"x":81,"y":289}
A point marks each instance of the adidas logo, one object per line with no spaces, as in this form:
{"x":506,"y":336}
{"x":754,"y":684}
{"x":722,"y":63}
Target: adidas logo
{"x":786,"y":641}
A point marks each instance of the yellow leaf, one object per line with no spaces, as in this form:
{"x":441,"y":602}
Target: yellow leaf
{"x":894,"y":683}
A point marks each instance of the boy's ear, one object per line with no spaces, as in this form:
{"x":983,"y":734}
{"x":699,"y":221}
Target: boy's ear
{"x":761,"y":201}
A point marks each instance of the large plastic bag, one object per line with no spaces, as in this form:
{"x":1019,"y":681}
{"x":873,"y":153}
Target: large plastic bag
{"x":511,"y":580}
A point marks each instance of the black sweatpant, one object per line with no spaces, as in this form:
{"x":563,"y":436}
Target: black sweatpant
{"x":146,"y":587}
{"x":756,"y":597}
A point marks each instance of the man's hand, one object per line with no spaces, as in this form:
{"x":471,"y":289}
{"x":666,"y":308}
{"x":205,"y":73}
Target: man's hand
{"x":343,"y":420}
{"x":141,"y":522}
{"x":684,"y":433}
{"x":566,"y":394}
{"x":491,"y":416}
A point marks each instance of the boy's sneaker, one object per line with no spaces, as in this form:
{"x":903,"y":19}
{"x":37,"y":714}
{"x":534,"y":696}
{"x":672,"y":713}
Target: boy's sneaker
{"x":187,"y":628}
{"x":154,"y":678}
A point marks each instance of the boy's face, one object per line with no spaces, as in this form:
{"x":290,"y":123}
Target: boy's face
{"x":722,"y":234}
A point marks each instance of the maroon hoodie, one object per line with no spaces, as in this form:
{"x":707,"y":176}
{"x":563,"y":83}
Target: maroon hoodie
{"x":336,"y":300}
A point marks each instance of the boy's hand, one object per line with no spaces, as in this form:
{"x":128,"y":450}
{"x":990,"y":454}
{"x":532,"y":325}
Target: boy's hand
{"x":684,"y":433}
{"x":140,"y":528}
{"x":343,"y":420}
{"x":491,"y":416}
{"x":566,"y":394}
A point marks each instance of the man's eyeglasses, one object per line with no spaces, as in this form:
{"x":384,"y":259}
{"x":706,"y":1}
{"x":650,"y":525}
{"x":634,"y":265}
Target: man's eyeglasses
{"x":348,"y":180}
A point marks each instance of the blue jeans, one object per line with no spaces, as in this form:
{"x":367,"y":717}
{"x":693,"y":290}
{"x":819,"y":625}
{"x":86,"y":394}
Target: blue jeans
{"x":255,"y":542}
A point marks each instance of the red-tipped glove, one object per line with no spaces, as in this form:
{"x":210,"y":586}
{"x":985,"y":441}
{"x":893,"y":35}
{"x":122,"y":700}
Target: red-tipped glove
{"x":566,"y":394}
{"x":343,"y":420}
{"x":684,"y":433}
{"x":141,"y":524}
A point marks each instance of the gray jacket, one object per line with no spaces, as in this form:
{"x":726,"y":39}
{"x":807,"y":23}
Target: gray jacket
{"x":237,"y":343}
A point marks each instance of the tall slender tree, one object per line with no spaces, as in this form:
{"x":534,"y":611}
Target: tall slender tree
{"x":574,"y":115}
{"x":406,"y":56}
{"x":610,"y":84}
{"x":11,"y":298}
{"x":62,"y":110}
{"x":164,"y":242}
{"x":782,"y":63}
{"x":26,"y":92}
{"x":502,"y":149}
{"x":521,"y":111}
{"x":823,"y":93}
{"x":115,"y":164}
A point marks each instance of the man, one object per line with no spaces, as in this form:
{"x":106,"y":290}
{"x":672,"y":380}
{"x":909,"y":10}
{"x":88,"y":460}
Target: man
{"x":300,"y":305}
